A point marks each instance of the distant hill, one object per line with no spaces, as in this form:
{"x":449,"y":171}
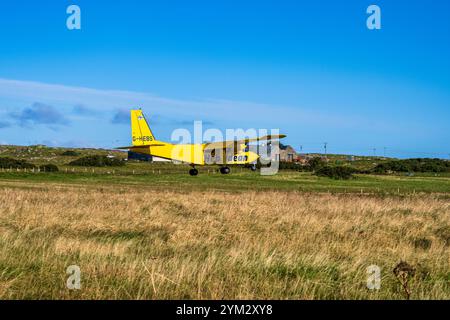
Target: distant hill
{"x":40,"y":154}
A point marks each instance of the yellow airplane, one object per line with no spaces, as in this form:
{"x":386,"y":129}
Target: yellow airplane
{"x":220,"y":153}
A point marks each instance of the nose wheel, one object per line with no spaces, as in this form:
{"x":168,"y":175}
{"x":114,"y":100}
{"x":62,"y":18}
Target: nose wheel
{"x":225,"y":170}
{"x":193,"y":172}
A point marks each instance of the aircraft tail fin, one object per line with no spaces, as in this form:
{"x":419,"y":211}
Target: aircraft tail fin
{"x":140,"y":131}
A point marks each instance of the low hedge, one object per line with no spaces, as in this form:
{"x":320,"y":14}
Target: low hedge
{"x":7,"y":163}
{"x":338,"y":172}
{"x":97,"y":161}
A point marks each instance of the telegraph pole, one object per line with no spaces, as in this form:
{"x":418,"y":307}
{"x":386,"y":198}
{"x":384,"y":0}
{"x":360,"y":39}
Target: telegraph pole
{"x":325,"y":147}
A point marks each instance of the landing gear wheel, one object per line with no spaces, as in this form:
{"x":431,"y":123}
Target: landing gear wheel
{"x":193,"y":172}
{"x":225,"y":170}
{"x":253,"y":167}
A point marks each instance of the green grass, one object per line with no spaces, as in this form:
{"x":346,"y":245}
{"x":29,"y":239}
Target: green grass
{"x":171,"y":177}
{"x":175,"y":177}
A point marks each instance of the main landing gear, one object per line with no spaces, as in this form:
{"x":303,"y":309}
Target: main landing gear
{"x":225,"y":170}
{"x":193,"y":172}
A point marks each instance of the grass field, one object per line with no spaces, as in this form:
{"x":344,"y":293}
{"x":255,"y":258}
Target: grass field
{"x":171,"y":177}
{"x":168,"y":235}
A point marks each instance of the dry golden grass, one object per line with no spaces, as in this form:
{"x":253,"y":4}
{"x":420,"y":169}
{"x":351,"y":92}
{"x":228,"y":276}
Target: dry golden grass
{"x":141,"y":244}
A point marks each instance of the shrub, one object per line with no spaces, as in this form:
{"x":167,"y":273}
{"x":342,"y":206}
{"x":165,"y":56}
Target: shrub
{"x":315,"y":163}
{"x":15,"y":164}
{"x":97,"y":161}
{"x":49,"y":168}
{"x":288,"y":166}
{"x":404,"y":273}
{"x":414,"y":165}
{"x":338,"y":172}
{"x":70,"y":153}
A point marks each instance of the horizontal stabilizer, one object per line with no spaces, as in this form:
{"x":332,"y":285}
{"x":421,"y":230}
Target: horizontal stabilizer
{"x":141,"y":146}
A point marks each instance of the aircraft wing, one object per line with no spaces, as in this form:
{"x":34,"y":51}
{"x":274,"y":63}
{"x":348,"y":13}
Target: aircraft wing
{"x":231,"y":143}
{"x":269,"y":137}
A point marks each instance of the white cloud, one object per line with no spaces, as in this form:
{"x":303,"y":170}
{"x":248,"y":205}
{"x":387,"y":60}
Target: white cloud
{"x":225,"y":111}
{"x":39,"y":113}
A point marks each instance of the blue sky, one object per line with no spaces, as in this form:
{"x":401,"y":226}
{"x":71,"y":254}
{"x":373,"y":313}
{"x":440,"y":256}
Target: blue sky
{"x":311,"y":69}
